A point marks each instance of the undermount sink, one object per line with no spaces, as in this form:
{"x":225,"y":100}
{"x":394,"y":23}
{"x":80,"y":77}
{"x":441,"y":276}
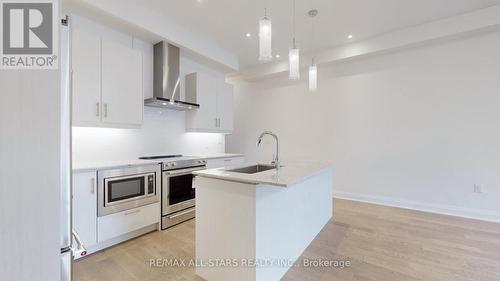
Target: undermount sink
{"x":253,"y":169}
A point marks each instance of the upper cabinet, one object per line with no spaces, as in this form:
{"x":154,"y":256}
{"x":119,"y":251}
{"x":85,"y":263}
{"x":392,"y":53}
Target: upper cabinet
{"x":107,"y":82}
{"x":216,"y":104}
{"x":86,"y":62}
{"x":225,"y":111}
{"x":122,"y":97}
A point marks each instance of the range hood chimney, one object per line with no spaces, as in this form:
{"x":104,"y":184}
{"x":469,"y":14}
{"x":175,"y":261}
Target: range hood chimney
{"x":166,"y":79}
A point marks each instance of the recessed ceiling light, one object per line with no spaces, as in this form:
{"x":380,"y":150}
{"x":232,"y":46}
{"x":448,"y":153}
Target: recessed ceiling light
{"x":277,"y":56}
{"x":350,"y":36}
{"x":248,"y":35}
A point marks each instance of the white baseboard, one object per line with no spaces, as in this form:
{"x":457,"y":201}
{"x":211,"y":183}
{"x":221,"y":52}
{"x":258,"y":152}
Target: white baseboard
{"x":478,"y":214}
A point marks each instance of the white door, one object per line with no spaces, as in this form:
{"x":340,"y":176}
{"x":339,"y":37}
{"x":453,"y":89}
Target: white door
{"x":86,"y":64}
{"x":225,"y":108}
{"x":206,"y":115}
{"x":85,"y":207}
{"x":30,"y":168}
{"x":122,"y":97}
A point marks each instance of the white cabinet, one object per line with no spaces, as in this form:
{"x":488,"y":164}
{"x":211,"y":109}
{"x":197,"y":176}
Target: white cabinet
{"x":122,"y":96}
{"x":86,"y":62}
{"x":107,"y":82}
{"x":216,"y":104}
{"x":96,"y":232}
{"x":224,"y":162}
{"x":115,"y":225}
{"x":225,"y":111}
{"x":84,"y":207}
{"x":201,"y":89}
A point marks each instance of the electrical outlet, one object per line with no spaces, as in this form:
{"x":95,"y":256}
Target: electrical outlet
{"x":478,"y":188}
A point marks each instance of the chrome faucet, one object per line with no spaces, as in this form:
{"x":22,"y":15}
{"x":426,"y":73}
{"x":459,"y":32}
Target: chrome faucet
{"x":276,"y":160}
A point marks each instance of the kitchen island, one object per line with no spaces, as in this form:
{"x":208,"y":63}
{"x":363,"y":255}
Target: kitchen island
{"x":252,"y":224}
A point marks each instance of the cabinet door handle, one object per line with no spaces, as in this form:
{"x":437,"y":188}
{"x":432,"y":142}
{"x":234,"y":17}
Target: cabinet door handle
{"x":92,"y":185}
{"x":215,"y":122}
{"x":97,"y":107}
{"x":105,"y":110}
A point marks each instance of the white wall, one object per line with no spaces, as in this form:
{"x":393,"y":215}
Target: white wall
{"x":417,"y":128}
{"x":163,"y":131}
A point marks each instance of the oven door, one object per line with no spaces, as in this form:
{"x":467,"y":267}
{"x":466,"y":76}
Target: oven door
{"x":177,"y":190}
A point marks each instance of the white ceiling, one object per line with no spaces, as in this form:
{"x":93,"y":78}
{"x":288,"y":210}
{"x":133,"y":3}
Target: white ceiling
{"x":227,"y":21}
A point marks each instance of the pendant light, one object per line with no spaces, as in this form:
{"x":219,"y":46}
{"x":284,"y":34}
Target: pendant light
{"x":313,"y":77}
{"x":313,"y":68}
{"x":294,"y":54}
{"x":265,"y":38}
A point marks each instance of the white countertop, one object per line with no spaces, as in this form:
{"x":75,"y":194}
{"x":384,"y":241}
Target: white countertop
{"x":289,"y":174}
{"x":100,"y":165}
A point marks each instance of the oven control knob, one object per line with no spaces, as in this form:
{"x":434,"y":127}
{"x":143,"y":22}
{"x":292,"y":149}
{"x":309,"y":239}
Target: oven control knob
{"x":169,"y":164}
{"x":174,"y":164}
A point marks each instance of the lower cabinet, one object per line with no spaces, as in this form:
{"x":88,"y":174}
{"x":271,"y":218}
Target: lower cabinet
{"x":224,"y":162}
{"x":114,"y":225}
{"x":84,"y":203}
{"x":96,"y":232}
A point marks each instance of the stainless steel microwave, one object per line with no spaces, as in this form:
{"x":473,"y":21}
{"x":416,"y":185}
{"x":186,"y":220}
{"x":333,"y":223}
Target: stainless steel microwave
{"x":127,"y":188}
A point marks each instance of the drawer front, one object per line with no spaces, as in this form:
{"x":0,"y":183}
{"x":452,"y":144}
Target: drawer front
{"x":175,"y":218}
{"x":117,"y":224}
{"x":224,"y":162}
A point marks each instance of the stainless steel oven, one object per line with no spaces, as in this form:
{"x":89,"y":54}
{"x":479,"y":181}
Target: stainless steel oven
{"x":178,"y":194}
{"x":127,"y":188}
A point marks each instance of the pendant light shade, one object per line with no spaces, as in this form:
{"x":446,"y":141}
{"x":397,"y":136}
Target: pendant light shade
{"x":313,"y":68}
{"x":293,"y":61}
{"x":293,"y":54}
{"x":313,"y":77}
{"x":265,"y":38}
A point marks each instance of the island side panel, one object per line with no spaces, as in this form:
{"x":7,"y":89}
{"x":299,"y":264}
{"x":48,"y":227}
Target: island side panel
{"x":288,"y":219}
{"x":225,"y":227}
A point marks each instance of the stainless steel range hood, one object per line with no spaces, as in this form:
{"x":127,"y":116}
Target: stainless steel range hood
{"x":166,"y":79}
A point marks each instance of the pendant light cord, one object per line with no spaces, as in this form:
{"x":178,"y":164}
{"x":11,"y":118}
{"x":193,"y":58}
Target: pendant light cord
{"x":312,"y":38}
{"x":293,"y":24}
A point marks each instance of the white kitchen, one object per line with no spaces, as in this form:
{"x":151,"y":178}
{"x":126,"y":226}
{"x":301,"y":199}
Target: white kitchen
{"x":249,"y":140}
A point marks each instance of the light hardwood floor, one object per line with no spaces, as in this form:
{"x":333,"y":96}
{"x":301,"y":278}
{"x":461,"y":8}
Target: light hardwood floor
{"x":381,"y":243}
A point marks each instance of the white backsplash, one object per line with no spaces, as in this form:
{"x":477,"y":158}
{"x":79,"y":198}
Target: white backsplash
{"x":163,"y":132}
